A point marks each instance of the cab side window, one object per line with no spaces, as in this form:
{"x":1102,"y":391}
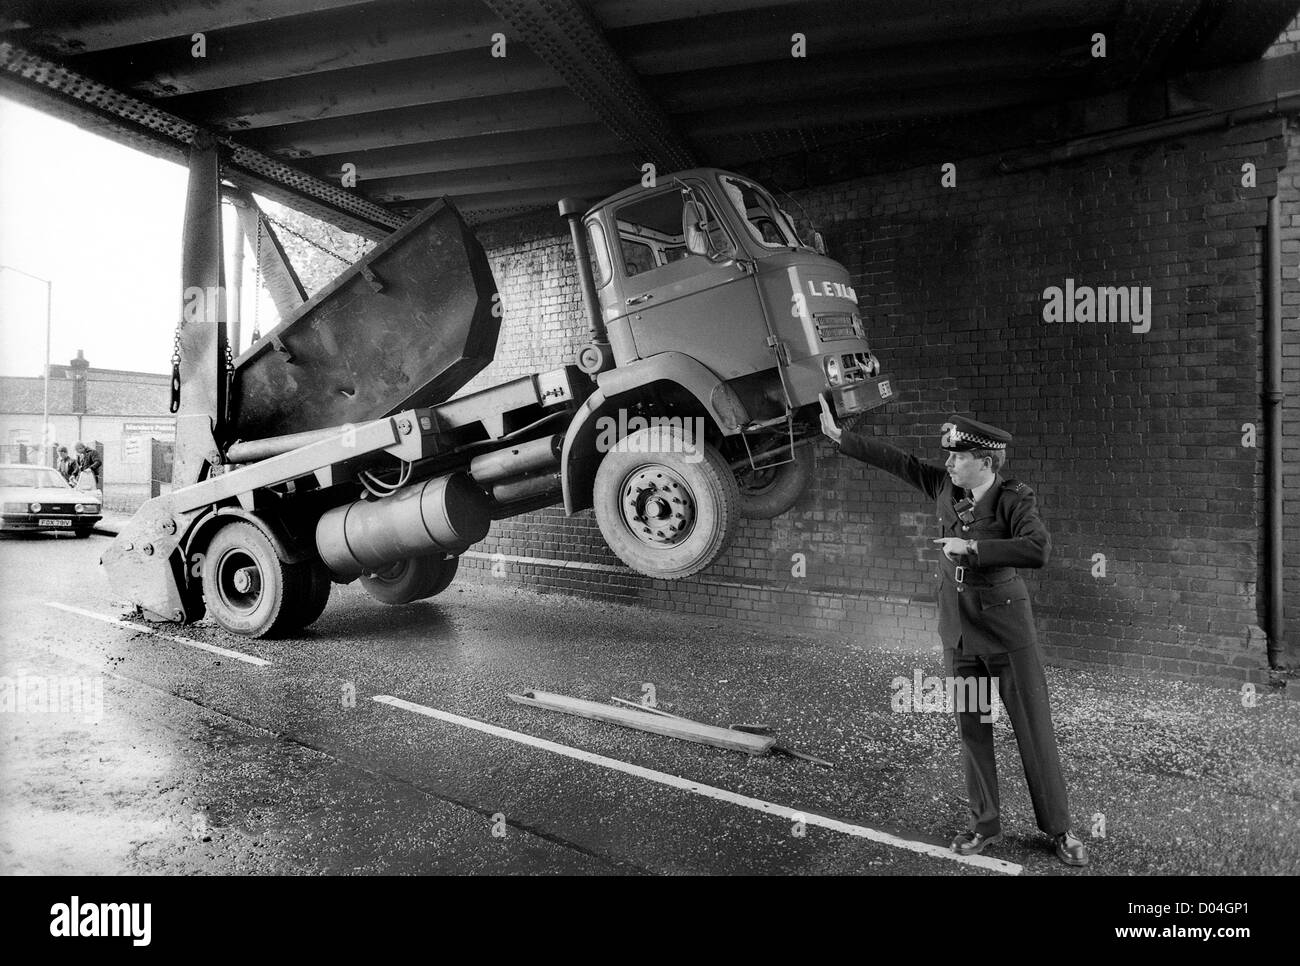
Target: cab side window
{"x":650,"y":232}
{"x":638,"y":257}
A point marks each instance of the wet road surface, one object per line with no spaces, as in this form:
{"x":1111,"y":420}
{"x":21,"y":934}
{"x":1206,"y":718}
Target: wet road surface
{"x":203,"y":762}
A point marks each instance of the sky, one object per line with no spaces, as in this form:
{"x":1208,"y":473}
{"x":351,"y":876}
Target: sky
{"x":103,"y":222}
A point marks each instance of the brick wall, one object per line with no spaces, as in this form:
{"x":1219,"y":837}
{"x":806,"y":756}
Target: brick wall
{"x":1132,"y":441}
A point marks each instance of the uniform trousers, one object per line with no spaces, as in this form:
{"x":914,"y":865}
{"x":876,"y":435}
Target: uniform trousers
{"x":1022,"y":687}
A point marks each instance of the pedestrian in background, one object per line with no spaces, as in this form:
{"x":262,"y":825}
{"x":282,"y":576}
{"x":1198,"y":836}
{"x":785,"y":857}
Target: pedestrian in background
{"x":66,"y":465}
{"x":88,"y":460}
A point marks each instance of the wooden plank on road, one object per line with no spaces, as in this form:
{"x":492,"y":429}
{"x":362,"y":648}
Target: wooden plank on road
{"x":682,"y":728}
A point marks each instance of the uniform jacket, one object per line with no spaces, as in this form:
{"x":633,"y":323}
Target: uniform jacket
{"x":988,"y":611}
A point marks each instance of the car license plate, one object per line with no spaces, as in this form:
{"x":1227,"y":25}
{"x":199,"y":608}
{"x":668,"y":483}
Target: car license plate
{"x":53,"y":523}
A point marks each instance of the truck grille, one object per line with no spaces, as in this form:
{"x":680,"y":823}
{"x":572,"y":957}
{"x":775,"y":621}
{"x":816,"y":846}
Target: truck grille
{"x":833,"y":326}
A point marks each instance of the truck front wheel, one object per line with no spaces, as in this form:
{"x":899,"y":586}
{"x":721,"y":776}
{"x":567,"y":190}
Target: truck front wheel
{"x":667,"y":509}
{"x":410,"y":580}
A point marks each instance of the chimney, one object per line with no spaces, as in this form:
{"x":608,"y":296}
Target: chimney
{"x":79,"y":366}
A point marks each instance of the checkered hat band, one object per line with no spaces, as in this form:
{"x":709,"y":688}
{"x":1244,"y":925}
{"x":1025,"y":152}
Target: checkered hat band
{"x":981,"y":441}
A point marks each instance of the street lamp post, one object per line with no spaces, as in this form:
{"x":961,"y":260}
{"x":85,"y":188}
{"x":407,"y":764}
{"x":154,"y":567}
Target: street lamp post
{"x":49,"y":299}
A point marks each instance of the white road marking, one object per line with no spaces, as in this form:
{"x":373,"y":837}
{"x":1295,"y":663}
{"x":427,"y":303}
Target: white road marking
{"x":708,"y":791}
{"x":139,"y":628}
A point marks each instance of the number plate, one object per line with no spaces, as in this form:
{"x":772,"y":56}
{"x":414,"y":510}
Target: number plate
{"x":43,"y":522}
{"x":865,"y":396}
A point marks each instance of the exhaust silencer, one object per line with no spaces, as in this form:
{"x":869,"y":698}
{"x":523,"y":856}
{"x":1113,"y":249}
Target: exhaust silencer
{"x":501,"y":464}
{"x":448,"y":514}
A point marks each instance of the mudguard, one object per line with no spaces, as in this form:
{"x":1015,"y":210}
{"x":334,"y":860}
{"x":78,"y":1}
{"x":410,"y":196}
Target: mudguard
{"x":579,"y":459}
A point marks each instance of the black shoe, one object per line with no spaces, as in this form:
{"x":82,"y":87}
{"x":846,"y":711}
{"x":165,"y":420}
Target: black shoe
{"x":1070,"y":849}
{"x":973,"y":843}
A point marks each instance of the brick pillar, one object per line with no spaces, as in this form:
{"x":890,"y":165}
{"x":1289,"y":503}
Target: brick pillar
{"x":79,"y":366}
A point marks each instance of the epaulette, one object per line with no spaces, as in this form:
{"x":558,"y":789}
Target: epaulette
{"x":1014,"y":486}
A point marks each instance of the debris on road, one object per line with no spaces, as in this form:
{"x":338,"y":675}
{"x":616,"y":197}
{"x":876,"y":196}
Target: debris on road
{"x":646,"y":719}
{"x":754,"y":739}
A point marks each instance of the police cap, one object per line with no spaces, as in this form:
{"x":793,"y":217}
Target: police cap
{"x":961,"y":433}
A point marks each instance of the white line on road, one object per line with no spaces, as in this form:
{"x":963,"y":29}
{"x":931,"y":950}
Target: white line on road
{"x":223,"y":651}
{"x":708,"y":791}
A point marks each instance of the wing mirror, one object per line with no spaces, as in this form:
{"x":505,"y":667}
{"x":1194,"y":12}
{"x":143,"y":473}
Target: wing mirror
{"x":693,"y":221}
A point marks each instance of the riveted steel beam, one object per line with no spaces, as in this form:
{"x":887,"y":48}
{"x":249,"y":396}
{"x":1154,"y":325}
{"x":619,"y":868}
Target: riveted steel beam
{"x":306,"y":44}
{"x":32,"y":79}
{"x":457,"y":154}
{"x":386,"y":86}
{"x":507,"y":177}
{"x":70,"y":27}
{"x":566,"y":35}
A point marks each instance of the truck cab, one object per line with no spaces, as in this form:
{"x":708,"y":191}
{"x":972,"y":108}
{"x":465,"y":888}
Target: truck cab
{"x":707,"y":264}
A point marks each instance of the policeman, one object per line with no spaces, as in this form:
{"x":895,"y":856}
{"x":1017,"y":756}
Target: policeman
{"x":990,"y":526}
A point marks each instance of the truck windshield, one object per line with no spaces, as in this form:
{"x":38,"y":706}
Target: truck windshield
{"x":765,"y":220}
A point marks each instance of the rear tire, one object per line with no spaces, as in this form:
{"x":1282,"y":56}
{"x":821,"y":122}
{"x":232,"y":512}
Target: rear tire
{"x":767,"y":493}
{"x":665,"y":516}
{"x":248,"y":589}
{"x":415,"y":578}
{"x":315,"y":582}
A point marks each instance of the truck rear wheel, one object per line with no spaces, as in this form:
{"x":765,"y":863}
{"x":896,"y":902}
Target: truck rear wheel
{"x":415,"y":578}
{"x":767,"y":493}
{"x":666,"y":514}
{"x":314,"y":592}
{"x":247,"y":587}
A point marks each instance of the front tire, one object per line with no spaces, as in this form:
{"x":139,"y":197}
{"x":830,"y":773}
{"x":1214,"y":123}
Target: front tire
{"x":663,"y":514}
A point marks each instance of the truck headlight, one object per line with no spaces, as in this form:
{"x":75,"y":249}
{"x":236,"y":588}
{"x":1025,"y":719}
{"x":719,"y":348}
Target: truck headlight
{"x":15,"y":508}
{"x":80,"y":508}
{"x":833,"y":373}
{"x":35,"y":507}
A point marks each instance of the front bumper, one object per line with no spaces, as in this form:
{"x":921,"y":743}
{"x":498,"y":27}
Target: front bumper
{"x":49,"y":521}
{"x":863,"y":396}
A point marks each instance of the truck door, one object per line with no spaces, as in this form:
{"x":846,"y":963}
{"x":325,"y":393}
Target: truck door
{"x":677,"y":301}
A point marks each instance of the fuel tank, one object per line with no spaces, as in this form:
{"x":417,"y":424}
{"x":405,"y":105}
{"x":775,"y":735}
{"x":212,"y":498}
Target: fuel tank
{"x":448,"y":514}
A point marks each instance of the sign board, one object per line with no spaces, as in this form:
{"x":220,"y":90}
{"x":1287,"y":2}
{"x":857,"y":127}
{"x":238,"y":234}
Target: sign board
{"x":132,"y":448}
{"x":157,"y":428}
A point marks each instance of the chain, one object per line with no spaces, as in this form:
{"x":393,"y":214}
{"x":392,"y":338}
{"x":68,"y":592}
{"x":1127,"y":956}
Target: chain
{"x":257,"y":283}
{"x":176,"y":370}
{"x":310,"y":241}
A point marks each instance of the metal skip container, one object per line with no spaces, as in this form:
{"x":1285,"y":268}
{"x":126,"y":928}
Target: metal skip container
{"x":406,"y":326}
{"x":447,"y":514}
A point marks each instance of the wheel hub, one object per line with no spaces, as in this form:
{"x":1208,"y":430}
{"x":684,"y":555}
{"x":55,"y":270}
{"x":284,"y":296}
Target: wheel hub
{"x":658,"y":507}
{"x":240,"y":580}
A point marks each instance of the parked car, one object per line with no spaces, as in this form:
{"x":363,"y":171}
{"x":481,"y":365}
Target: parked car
{"x":38,"y":498}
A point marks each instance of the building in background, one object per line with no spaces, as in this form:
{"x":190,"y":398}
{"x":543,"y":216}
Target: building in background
{"x":120,"y":412}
